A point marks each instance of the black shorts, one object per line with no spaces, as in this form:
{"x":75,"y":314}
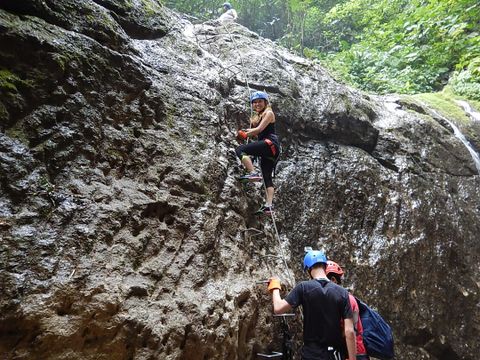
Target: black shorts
{"x":267,"y":159}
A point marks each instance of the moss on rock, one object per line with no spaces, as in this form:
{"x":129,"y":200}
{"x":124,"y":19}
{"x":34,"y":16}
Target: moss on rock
{"x":151,"y":7}
{"x":3,"y":113}
{"x":446,"y":105}
{"x":17,"y":133}
{"x":8,"y":80}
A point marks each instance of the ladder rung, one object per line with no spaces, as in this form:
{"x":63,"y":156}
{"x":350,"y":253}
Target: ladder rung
{"x":274,"y":354}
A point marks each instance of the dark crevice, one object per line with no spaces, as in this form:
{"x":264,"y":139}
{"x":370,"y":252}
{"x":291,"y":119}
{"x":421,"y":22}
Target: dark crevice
{"x":188,"y":329}
{"x":261,"y":87}
{"x":342,"y":130}
{"x":65,"y":308}
{"x":443,"y":351}
{"x":160,"y":210}
{"x":111,"y":6}
{"x":387,"y":164}
{"x":412,"y":106}
{"x":137,"y":291}
{"x":242,"y":299}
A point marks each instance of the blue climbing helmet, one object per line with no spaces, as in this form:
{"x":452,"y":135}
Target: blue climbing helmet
{"x":259,"y":95}
{"x":227,"y":5}
{"x":313,"y":257}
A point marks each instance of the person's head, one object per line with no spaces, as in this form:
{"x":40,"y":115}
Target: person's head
{"x":334,"y":272}
{"x":227,"y":6}
{"x":259,"y":100}
{"x":314,"y":259}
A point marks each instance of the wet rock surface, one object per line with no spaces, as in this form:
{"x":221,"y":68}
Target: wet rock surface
{"x":125,"y":235}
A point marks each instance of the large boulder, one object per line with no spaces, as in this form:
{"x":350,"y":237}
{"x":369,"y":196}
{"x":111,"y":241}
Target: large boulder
{"x":125,"y":235}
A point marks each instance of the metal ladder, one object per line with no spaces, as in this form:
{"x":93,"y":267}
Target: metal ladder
{"x":287,"y":342}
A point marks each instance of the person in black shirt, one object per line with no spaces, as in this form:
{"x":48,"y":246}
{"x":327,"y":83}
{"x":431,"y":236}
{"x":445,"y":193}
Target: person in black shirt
{"x":325,"y":307}
{"x":267,"y":147}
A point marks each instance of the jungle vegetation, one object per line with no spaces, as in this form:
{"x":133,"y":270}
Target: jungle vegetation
{"x":384,"y":46}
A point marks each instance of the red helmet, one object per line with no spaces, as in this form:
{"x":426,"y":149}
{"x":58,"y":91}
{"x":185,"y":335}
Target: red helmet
{"x":333,"y":267}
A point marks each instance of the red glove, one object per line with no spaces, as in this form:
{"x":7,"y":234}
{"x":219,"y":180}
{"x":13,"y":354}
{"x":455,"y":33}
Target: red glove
{"x":274,"y":283}
{"x":241,"y":135}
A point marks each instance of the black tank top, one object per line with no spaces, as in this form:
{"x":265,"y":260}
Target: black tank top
{"x":269,"y":130}
{"x":269,"y":133}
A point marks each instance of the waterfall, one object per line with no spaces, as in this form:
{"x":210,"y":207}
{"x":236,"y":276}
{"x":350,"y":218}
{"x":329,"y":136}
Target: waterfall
{"x":475,"y":115}
{"x":467,"y":144}
{"x":459,"y":135}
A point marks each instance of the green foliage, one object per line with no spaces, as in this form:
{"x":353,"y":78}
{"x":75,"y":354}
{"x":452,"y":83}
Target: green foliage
{"x":412,"y":46}
{"x":467,"y":82}
{"x":201,"y":9}
{"x":269,"y":18}
{"x":404,"y":46}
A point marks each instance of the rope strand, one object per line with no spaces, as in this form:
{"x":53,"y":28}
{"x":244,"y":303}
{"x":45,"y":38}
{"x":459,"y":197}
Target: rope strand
{"x":290,"y":276}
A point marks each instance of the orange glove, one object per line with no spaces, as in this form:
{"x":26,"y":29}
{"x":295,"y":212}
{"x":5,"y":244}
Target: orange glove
{"x":274,"y":283}
{"x":241,"y":135}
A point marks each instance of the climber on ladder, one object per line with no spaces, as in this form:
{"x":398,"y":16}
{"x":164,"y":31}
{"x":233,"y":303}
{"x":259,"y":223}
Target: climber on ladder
{"x":267,"y":147}
{"x":324,"y":305}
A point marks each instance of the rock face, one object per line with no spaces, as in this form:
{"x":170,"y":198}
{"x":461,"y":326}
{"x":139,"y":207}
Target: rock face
{"x":124,"y":234}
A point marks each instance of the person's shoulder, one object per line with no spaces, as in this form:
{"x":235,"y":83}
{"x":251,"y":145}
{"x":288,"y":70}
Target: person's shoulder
{"x":353,"y":302}
{"x":269,"y":113}
{"x":302,"y":284}
{"x":339,"y":289}
{"x":309,"y":283}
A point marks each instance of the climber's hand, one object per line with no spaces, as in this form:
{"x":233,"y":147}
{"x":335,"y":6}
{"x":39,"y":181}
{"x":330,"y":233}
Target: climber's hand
{"x":274,"y":283}
{"x":241,"y":135}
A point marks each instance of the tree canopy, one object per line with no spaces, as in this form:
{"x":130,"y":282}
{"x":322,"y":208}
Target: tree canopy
{"x":404,"y":46}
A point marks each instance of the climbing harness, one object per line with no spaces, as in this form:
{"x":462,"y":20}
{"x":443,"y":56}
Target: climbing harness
{"x":273,"y":148}
{"x":275,"y":157}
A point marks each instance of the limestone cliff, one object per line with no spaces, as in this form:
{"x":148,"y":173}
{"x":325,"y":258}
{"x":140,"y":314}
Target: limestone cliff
{"x":125,"y":235}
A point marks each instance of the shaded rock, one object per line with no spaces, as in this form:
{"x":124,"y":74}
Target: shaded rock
{"x":141,"y":19}
{"x":84,"y":17}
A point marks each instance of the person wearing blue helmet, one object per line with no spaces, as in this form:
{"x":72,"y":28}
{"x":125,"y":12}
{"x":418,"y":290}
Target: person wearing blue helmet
{"x":266,"y":147}
{"x":326,"y":307}
{"x":229,"y":13}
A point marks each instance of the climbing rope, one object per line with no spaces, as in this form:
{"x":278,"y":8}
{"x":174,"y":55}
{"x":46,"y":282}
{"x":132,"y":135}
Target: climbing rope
{"x":249,"y":90}
{"x":286,"y":348}
{"x":290,"y":276}
{"x":225,"y":26}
